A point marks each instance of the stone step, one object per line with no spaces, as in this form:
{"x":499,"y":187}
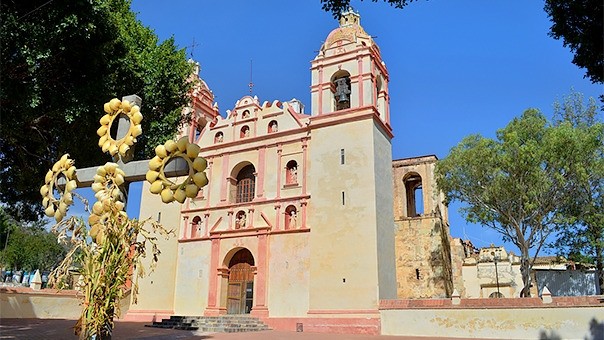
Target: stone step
{"x":214,"y":324}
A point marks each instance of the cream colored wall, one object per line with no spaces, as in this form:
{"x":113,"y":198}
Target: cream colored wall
{"x":343,"y":239}
{"x":45,"y":304}
{"x":192,"y":278}
{"x":156,"y":291}
{"x":510,"y":323}
{"x":288,"y":275}
{"x":385,"y":215}
{"x":20,"y":305}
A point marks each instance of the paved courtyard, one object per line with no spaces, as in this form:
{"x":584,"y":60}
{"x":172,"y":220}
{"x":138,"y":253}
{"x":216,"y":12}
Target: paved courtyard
{"x":62,"y":329}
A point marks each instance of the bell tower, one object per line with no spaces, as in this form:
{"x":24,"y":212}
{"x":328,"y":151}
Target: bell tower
{"x":348,"y":73}
{"x":352,"y":237}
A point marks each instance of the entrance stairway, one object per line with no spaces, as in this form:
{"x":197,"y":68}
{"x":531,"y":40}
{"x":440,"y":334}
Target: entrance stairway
{"x":213,"y":324}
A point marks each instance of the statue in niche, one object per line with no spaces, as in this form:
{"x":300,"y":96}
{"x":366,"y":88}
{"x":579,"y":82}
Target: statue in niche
{"x":273,"y":127}
{"x":219,"y":138}
{"x":246,"y":114}
{"x":240,"y":220}
{"x":293,"y":174}
{"x":293,"y":219}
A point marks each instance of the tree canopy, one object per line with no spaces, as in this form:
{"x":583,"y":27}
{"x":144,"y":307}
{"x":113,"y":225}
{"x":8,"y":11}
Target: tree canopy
{"x":582,"y":237}
{"x":516,"y":184}
{"x":60,"y":62}
{"x":28,"y":247}
{"x":579,"y":24}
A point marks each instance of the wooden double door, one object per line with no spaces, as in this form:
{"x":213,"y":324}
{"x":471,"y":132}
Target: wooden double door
{"x":240,"y":292}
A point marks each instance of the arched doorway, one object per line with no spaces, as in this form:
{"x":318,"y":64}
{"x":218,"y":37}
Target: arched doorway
{"x":240,"y":293}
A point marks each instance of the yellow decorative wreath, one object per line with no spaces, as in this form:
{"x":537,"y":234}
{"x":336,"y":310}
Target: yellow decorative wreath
{"x":169,"y":190}
{"x":58,"y":207}
{"x":106,"y":185}
{"x":113,"y":109}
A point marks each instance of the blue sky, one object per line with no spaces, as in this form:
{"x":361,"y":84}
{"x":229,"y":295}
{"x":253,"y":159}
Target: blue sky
{"x":456,"y":67}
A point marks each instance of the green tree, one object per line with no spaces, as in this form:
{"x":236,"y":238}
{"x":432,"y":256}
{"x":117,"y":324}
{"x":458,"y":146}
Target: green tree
{"x":512,"y":184}
{"x":337,"y":6}
{"x":60,"y":62}
{"x":582,"y":133}
{"x":579,"y":24}
{"x":31,"y":248}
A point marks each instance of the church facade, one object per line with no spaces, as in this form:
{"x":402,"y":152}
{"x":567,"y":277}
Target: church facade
{"x":306,"y":217}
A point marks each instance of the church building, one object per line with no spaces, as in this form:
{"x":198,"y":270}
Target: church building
{"x":306,"y":218}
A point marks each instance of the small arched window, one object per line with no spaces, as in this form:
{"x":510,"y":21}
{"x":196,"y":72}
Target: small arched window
{"x":291,"y":217}
{"x":273,"y":126}
{"x":218,"y":137}
{"x":291,"y":174}
{"x":414,"y":195}
{"x":246,"y":114}
{"x":245,"y":132}
{"x":195,"y":227}
{"x":246,"y":184}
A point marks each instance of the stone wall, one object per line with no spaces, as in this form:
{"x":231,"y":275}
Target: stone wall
{"x":422,"y":238}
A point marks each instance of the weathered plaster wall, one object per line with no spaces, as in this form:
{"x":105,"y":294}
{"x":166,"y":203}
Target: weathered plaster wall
{"x":565,"y":318}
{"x":343,"y":231}
{"x":192,"y":278}
{"x":385,"y":215}
{"x":23,"y":302}
{"x":156,"y":291}
{"x":288,"y":275}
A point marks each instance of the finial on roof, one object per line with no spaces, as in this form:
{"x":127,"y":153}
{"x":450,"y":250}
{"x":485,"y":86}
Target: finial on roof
{"x":349,"y":17}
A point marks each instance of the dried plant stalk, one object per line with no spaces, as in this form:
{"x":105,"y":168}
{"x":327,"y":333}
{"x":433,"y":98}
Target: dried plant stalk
{"x":105,"y":263}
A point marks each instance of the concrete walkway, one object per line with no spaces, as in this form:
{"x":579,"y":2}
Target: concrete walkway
{"x":63,"y":329}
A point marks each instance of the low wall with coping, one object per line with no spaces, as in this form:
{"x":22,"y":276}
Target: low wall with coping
{"x":519,"y":318}
{"x":23,"y":302}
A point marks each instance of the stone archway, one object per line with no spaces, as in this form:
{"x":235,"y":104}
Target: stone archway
{"x":240,"y":291}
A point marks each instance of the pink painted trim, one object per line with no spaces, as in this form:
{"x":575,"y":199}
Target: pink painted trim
{"x":278,"y":214}
{"x":320,"y":103}
{"x":184,"y":233}
{"x":213,"y":287}
{"x":261,"y":172}
{"x":235,"y":206}
{"x":344,"y":311}
{"x":239,"y":232}
{"x":216,"y":224}
{"x":225,"y":175}
{"x":279,"y":165}
{"x":147,"y":315}
{"x":294,"y":115}
{"x":304,"y":166}
{"x":290,"y":231}
{"x":486,"y":303}
{"x":350,"y":115}
{"x":209,"y":172}
{"x":250,"y":222}
{"x":260,"y":281}
{"x":304,"y":213}
{"x":360,"y":80}
{"x":206,"y":224}
{"x":266,"y":220}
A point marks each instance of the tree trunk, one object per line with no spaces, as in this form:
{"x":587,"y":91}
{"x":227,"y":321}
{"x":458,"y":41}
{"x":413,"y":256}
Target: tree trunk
{"x":525,"y":270}
{"x":599,"y":267}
